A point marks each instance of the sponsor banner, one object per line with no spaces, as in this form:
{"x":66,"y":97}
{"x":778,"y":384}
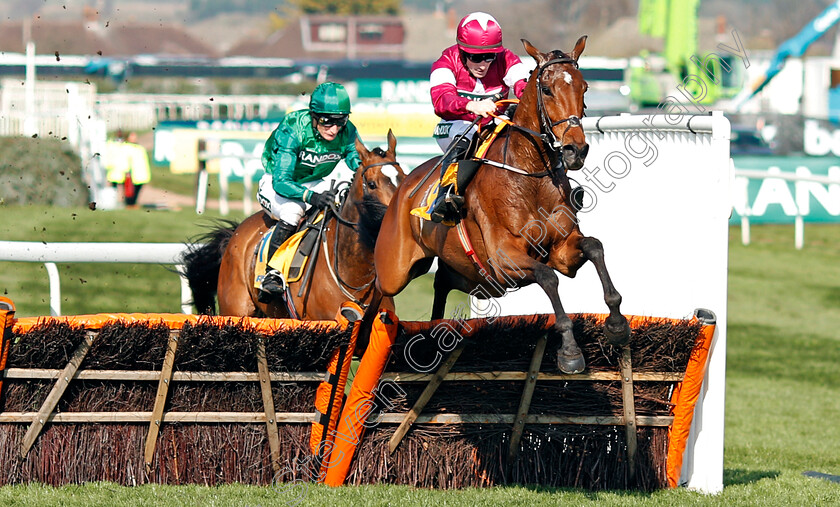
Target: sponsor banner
{"x":775,"y":200}
{"x":820,"y":140}
{"x":174,"y":139}
{"x":373,"y":118}
{"x":394,"y":90}
{"x":376,"y":124}
{"x":236,"y":158}
{"x":176,"y":143}
{"x":184,"y":150}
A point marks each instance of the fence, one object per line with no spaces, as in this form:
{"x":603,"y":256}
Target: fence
{"x":51,"y":253}
{"x":657,"y":196}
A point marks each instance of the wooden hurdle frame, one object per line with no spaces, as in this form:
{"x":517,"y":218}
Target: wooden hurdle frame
{"x":382,"y":338}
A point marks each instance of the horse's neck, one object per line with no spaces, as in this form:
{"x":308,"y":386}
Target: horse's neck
{"x":527,"y":152}
{"x":348,"y":236}
{"x":353,"y":260}
{"x":528,"y":149}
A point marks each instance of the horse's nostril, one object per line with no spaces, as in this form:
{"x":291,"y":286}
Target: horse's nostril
{"x":584,"y":152}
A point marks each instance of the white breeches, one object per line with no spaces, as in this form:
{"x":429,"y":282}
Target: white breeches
{"x":281,"y":208}
{"x":445,"y":135}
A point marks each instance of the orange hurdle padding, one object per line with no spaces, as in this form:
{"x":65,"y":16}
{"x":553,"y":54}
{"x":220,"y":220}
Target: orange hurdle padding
{"x":329,"y":396}
{"x":173,"y":321}
{"x":359,"y":403}
{"x":684,"y":398}
{"x":7,"y":318}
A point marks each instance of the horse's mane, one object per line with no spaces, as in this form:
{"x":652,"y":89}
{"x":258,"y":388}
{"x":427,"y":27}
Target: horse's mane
{"x":371,"y":213}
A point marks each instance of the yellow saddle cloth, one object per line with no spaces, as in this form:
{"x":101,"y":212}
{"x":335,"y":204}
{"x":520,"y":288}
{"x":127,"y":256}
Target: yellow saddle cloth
{"x":284,"y":258}
{"x":450,"y":177}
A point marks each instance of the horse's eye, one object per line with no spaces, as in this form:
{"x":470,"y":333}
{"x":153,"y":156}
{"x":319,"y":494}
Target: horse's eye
{"x":546,"y":90}
{"x":371,"y":185}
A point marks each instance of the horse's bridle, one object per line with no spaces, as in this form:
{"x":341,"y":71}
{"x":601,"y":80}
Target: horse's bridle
{"x":333,"y":267}
{"x":546,"y":125}
{"x":337,"y":210}
{"x":546,"y":135}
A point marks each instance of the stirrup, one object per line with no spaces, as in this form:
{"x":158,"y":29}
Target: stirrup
{"x":273,"y":283}
{"x":446,"y":209}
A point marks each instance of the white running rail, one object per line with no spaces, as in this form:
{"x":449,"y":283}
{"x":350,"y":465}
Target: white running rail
{"x":133,"y":253}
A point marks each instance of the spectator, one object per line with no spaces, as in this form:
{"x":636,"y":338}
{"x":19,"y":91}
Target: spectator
{"x":138,"y":173}
{"x":127,"y":165}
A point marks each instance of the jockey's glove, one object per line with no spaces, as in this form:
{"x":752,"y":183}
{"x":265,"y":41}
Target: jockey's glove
{"x":323,"y":199}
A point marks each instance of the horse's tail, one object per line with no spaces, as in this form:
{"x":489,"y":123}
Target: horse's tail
{"x":202,"y":261}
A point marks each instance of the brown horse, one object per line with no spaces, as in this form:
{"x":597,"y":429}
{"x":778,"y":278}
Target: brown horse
{"x":518,"y":211}
{"x":343,"y":271}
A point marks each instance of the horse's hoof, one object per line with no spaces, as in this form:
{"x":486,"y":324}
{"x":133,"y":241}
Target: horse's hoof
{"x":617,"y":332}
{"x":570,"y":364}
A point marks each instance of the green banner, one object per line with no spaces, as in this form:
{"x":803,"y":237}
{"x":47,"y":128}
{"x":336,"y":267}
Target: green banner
{"x":238,"y":158}
{"x":777,"y":200}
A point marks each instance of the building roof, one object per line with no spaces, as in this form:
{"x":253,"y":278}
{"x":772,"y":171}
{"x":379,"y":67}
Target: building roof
{"x":81,"y":37}
{"x":326,"y":37}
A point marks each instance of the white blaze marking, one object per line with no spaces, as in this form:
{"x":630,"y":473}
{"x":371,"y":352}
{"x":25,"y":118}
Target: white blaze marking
{"x":567,"y":77}
{"x":391,"y":172}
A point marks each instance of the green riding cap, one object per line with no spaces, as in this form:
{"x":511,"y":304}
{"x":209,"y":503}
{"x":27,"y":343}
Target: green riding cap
{"x":329,"y":98}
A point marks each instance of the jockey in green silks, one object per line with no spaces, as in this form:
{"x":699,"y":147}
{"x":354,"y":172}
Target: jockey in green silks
{"x":303,"y":149}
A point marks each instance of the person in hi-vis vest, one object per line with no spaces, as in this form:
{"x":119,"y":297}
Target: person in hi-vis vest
{"x":127,"y":164}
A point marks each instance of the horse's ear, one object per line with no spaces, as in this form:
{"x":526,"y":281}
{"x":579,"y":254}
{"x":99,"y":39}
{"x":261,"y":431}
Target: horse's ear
{"x":579,"y":45}
{"x":535,"y":53}
{"x":392,"y":142}
{"x":363,"y":151}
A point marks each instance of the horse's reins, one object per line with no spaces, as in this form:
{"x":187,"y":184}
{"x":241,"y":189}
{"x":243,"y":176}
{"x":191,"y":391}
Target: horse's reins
{"x":547,"y":136}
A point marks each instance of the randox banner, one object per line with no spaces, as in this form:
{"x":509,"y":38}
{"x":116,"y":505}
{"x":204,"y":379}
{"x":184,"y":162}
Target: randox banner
{"x":777,"y":200}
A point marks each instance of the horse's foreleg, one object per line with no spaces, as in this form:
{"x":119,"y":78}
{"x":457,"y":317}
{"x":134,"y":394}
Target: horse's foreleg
{"x":442,"y":289}
{"x":616,"y":328}
{"x":366,"y":324}
{"x":569,"y":357}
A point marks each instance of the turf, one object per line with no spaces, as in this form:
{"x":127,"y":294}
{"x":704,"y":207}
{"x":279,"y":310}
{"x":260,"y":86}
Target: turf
{"x":782,"y":388}
{"x":99,"y":288}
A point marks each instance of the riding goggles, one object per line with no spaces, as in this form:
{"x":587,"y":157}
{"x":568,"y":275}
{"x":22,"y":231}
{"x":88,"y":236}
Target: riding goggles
{"x":330,"y":120}
{"x":480,"y":57}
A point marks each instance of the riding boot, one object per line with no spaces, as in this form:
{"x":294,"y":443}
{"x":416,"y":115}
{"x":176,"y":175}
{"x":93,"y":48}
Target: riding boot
{"x":447,"y":206}
{"x":273,"y":283}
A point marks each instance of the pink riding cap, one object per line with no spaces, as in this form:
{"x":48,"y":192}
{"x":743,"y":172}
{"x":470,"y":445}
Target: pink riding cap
{"x":479,"y":32}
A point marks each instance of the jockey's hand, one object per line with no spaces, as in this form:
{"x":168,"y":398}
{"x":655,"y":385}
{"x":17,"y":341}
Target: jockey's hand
{"x":323,"y":199}
{"x":481,"y":107}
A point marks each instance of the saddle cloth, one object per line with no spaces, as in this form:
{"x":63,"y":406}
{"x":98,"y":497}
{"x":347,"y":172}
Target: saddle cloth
{"x":290,"y":258}
{"x":450,"y":177}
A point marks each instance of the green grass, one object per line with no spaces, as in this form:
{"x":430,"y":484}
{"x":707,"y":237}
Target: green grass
{"x":105,"y":288}
{"x":186,"y":184}
{"x":782,"y":388}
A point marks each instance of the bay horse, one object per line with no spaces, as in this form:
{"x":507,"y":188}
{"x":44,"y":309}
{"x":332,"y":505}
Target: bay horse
{"x":224,"y":265}
{"x":520,"y":188}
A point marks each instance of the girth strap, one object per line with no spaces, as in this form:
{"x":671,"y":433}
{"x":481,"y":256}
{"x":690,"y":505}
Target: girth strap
{"x":466,"y":244}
